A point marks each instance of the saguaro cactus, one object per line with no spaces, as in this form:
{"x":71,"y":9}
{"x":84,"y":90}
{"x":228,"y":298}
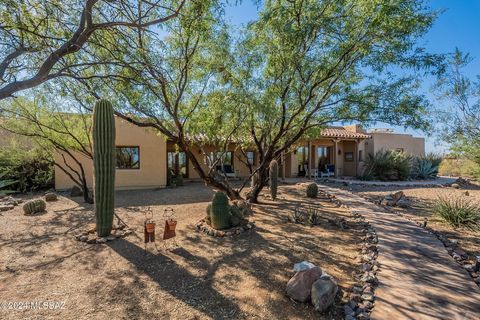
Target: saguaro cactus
{"x":273,"y":170}
{"x":104,"y":166}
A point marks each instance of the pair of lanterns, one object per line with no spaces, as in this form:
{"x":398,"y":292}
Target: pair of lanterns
{"x":169,"y":230}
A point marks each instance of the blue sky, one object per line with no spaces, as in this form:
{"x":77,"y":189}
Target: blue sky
{"x":458,"y":26}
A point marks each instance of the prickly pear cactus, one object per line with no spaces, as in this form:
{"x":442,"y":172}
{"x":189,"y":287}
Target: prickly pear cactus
{"x":273,"y":170}
{"x":104,"y":165}
{"x":34,"y":206}
{"x":220,"y":212}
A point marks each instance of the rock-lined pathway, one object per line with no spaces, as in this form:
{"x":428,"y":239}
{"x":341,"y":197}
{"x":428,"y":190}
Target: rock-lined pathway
{"x":417,"y":278}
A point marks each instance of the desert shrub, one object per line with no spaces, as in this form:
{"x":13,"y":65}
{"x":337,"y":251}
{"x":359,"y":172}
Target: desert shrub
{"x":459,"y":167}
{"x":4,"y":183}
{"x":458,"y":212}
{"x":388,"y":165}
{"x":31,"y":169}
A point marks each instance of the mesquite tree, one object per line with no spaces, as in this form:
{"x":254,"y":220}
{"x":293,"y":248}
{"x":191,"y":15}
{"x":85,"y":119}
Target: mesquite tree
{"x":306,"y":64}
{"x":45,"y":40}
{"x":56,"y":125}
{"x":459,"y":109}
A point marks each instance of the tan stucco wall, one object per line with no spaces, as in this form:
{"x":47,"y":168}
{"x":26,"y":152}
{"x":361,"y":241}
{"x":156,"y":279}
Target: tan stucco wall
{"x":152,"y":172}
{"x":393,"y":141}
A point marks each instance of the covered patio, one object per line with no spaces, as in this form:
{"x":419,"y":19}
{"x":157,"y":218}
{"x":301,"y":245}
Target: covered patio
{"x":337,"y":152}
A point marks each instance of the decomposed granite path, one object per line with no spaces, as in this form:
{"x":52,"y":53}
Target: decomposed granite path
{"x":417,"y":278}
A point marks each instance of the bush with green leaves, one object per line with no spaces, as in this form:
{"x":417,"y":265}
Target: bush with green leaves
{"x":426,"y":167}
{"x":458,"y":212}
{"x":32,"y":169}
{"x":388,"y":165}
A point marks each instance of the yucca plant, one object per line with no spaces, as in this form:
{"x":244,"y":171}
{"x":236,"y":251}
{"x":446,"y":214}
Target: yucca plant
{"x":5,"y":183}
{"x":458,"y":212}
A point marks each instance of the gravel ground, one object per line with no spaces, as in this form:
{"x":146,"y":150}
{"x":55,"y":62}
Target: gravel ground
{"x":203,"y":278}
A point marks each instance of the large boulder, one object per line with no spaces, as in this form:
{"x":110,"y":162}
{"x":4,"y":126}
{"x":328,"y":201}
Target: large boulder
{"x":300,"y":285}
{"x":323,"y":293}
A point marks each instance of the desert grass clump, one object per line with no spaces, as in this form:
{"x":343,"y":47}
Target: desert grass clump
{"x":458,"y":212}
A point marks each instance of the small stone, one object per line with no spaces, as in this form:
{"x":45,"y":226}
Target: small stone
{"x":357,"y":289}
{"x":348,"y":311}
{"x":366,"y":267}
{"x":469,"y":267}
{"x":220,"y":233}
{"x":461,"y":253}
{"x":368,"y":277}
{"x":228,"y":234}
{"x":76,"y":192}
{"x":102,"y":240}
{"x":367,"y":297}
{"x":83,"y":238}
{"x":367,"y":305}
{"x":90,"y":241}
{"x":455,"y":186}
{"x":110,"y":238}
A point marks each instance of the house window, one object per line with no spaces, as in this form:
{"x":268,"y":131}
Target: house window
{"x":360,"y":155}
{"x":348,"y":156}
{"x":250,"y":157}
{"x":127,"y":157}
{"x":220,"y":158}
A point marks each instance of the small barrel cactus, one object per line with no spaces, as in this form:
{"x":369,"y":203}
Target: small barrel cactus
{"x":220,"y":212}
{"x":104,"y":165}
{"x":50,"y":197}
{"x":273,"y":172}
{"x":312,"y":190}
{"x":34,"y":206}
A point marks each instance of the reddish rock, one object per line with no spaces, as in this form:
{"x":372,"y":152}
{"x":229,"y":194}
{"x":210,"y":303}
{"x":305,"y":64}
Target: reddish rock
{"x":299,"y":287}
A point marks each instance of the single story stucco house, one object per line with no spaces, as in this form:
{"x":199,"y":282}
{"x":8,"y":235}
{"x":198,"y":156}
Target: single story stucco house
{"x":144,"y":156}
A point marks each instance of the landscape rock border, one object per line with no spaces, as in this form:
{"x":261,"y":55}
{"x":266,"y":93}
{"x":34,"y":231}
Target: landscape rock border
{"x":90,"y":237}
{"x":362,"y":298}
{"x":203,"y":226}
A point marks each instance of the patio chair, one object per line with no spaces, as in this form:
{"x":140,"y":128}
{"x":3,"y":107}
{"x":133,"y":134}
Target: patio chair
{"x":329,"y":171}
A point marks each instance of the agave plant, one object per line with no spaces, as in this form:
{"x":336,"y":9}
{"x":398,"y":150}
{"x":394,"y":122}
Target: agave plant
{"x":5,"y":183}
{"x":425,"y":169}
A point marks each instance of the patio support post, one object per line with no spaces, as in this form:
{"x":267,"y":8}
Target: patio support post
{"x":356,"y":158}
{"x":335,"y":155}
{"x":282,"y":156}
{"x":309,"y":160}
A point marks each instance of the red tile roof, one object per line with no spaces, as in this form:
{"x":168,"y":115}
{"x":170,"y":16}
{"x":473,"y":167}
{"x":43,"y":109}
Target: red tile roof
{"x":340,"y":132}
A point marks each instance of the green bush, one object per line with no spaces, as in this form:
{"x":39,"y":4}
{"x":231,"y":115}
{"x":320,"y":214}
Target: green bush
{"x":5,"y":183}
{"x":388,"y":165}
{"x":458,"y":212}
{"x":312,"y":190}
{"x":31,"y":169}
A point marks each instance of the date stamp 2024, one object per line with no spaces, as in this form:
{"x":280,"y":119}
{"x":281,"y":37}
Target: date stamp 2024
{"x":32,"y":305}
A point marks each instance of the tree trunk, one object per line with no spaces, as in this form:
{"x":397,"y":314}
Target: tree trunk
{"x":260,"y":183}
